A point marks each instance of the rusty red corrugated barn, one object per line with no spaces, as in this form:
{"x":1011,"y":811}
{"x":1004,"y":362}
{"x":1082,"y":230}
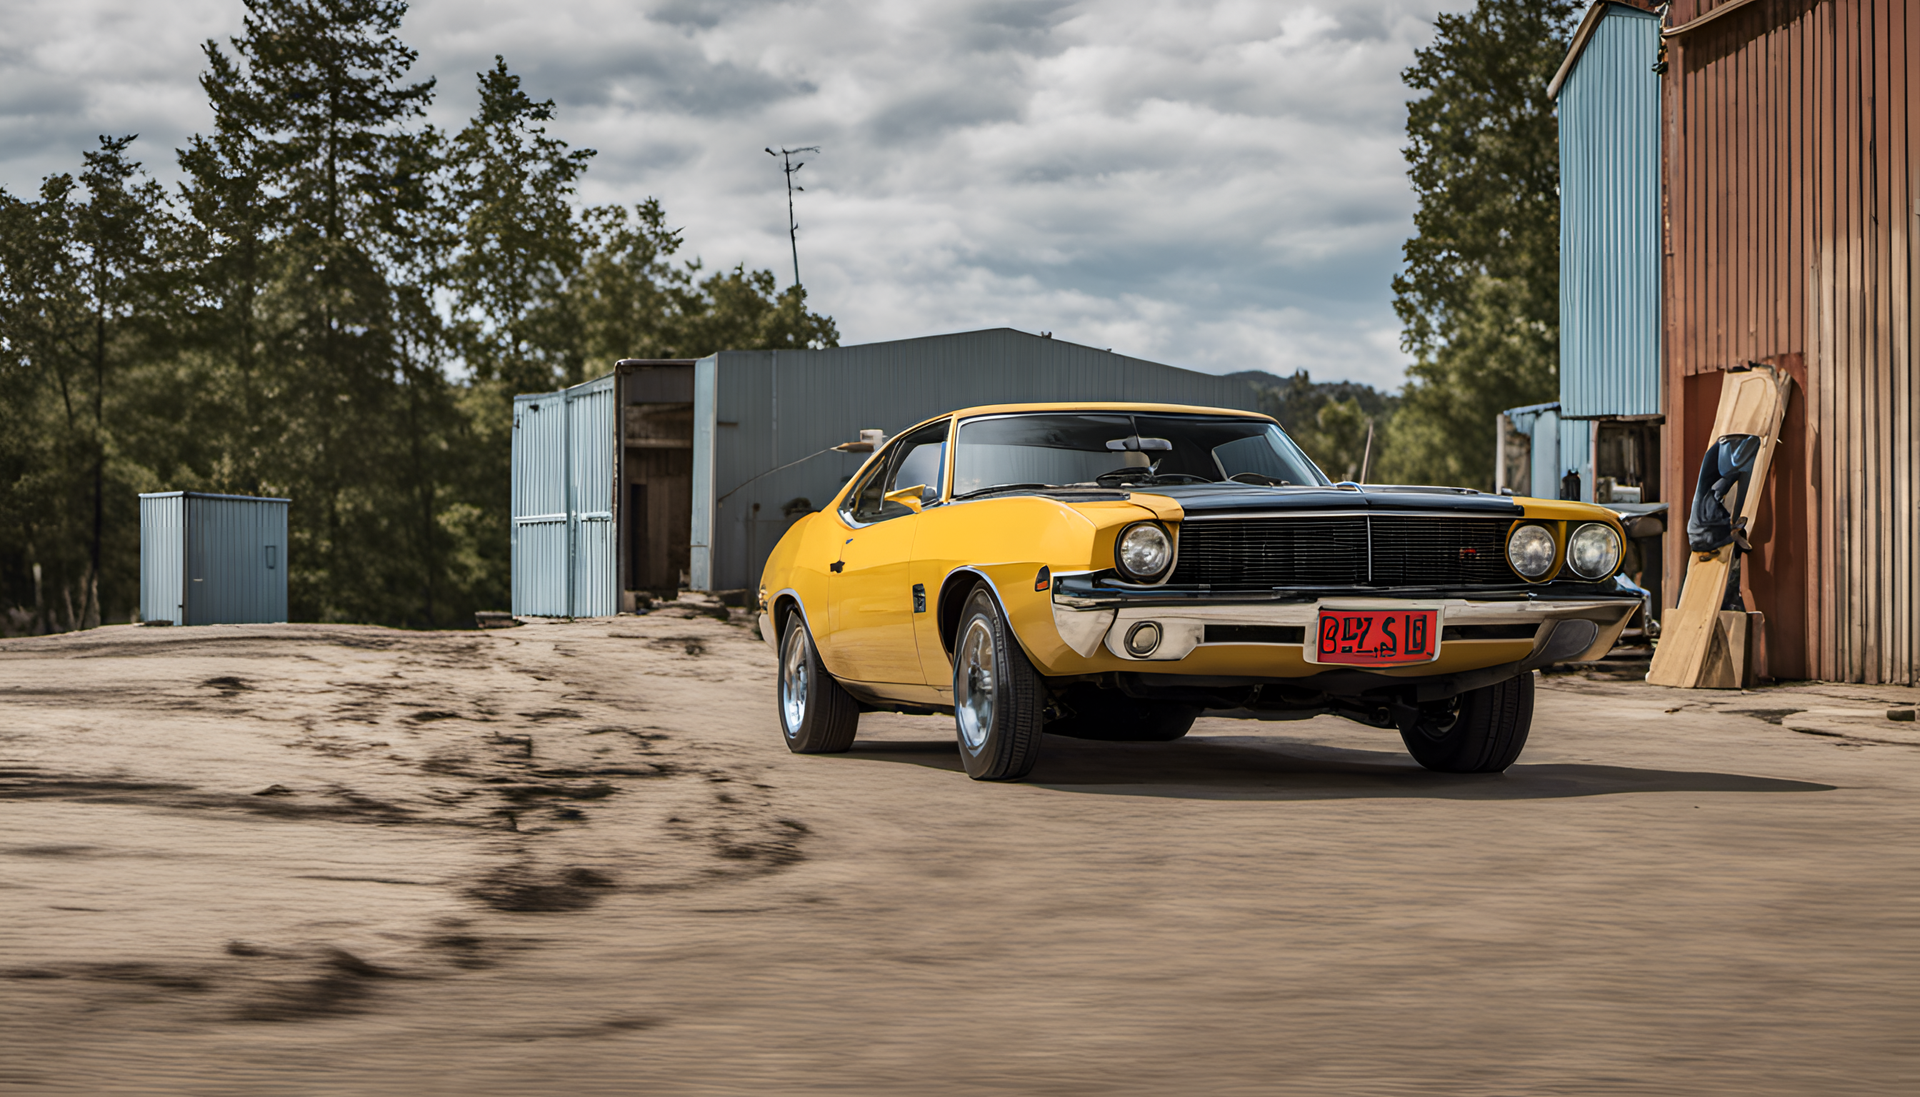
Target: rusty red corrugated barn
{"x":1790,"y":197}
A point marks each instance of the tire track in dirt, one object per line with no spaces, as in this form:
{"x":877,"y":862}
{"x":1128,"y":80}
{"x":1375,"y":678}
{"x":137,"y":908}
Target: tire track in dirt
{"x":488,"y":780}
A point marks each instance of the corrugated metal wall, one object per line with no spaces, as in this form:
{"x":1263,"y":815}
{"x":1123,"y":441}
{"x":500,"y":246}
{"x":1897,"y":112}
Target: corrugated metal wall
{"x":541,"y":564}
{"x":1609,"y":108}
{"x":706,"y":380}
{"x":563,"y":466}
{"x":213,"y":559}
{"x":772,"y":407}
{"x":163,"y":565}
{"x":1793,"y":195}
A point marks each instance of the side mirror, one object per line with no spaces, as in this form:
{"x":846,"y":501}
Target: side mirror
{"x":908,"y":497}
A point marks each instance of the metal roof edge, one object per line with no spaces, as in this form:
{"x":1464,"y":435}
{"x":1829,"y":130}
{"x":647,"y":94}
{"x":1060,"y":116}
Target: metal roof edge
{"x":1584,"y":33}
{"x":906,"y":339}
{"x":212,"y":495}
{"x":1003,"y":330}
{"x":1551,"y":405}
{"x":604,"y":378}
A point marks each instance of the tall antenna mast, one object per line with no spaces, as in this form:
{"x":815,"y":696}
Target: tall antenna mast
{"x":787,"y":165}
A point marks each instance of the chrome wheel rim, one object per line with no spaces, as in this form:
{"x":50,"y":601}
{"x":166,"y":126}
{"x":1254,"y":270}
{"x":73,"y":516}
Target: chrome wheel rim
{"x":793,"y":681}
{"x":974,"y":685}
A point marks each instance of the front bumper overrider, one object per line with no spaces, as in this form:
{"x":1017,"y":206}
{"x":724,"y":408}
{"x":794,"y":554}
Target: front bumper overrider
{"x":1569,"y":622}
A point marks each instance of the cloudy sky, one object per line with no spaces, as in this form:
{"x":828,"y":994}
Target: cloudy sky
{"x":1210,"y":184}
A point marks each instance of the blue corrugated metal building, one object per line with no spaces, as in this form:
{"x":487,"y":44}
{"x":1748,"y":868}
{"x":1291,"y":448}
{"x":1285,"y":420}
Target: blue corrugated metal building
{"x":684,"y":474}
{"x":1604,"y":430}
{"x":212,"y":559}
{"x":1608,"y":100}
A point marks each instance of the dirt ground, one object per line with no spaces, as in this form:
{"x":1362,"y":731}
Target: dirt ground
{"x":575,"y":858}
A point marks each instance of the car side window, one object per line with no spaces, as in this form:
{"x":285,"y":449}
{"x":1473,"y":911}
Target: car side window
{"x":921,"y":454}
{"x":915,"y":458}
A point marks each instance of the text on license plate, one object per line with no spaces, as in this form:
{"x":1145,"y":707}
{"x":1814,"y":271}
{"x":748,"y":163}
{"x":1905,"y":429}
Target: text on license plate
{"x":1377,"y":637}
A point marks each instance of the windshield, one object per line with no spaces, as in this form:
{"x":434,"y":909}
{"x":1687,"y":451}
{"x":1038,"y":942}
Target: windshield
{"x":1065,"y":449}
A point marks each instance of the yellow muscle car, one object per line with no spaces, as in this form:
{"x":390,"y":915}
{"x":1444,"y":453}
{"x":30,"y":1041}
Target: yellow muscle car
{"x":1110,"y":571}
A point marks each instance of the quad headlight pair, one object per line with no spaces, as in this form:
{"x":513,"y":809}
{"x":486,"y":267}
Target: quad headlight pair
{"x":1144,"y":551}
{"x":1592,"y":552}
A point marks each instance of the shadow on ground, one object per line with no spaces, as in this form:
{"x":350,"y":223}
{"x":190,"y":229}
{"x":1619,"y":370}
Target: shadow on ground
{"x":1217,"y":769}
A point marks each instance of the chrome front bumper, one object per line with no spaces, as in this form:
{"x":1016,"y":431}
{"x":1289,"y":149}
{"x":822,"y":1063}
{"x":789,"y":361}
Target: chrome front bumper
{"x":1564,"y":629}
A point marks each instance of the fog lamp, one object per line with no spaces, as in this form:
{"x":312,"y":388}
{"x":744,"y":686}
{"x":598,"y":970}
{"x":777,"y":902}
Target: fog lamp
{"x":1143,"y":638}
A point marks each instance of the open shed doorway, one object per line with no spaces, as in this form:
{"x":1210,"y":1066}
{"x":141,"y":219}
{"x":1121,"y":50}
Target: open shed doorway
{"x":656,"y":477}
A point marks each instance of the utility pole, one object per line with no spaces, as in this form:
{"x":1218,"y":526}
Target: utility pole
{"x":785,"y":156}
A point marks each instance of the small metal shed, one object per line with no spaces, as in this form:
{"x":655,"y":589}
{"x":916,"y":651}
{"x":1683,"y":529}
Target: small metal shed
{"x":678,"y":474}
{"x":212,"y":559}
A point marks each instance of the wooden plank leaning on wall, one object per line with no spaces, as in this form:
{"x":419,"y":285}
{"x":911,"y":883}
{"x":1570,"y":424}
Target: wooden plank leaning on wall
{"x":1752,"y":401}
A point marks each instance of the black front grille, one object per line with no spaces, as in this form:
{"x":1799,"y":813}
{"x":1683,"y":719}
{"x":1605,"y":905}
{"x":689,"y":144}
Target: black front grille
{"x":1258,"y":553}
{"x":1426,"y":551}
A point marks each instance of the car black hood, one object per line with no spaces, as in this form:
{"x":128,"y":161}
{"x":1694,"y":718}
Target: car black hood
{"x":1248,"y":498}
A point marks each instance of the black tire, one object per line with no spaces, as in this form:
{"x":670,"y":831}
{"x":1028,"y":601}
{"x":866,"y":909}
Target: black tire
{"x":816,"y":715}
{"x":999,"y":701}
{"x":1481,"y":731}
{"x":1112,"y":717}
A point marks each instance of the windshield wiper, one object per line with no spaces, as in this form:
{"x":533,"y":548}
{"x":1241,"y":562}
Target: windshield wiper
{"x":1000,"y":487}
{"x":1146,"y":476}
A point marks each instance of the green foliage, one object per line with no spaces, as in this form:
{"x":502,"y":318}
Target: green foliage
{"x":1342,"y":425}
{"x":1479,"y":298}
{"x":338,"y":306}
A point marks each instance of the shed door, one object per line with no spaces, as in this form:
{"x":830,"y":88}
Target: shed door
{"x":590,"y":415}
{"x":563,"y":484}
{"x":540,"y":559}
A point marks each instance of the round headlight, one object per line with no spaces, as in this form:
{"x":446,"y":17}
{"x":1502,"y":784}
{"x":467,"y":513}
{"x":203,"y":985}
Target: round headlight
{"x":1144,"y":552}
{"x":1530,"y":551}
{"x":1594,"y":550}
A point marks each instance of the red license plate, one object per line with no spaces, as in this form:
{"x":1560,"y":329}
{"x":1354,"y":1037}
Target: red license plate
{"x":1377,"y":637}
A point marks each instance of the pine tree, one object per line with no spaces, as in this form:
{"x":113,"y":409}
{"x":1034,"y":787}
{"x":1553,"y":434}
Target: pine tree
{"x":512,"y":189}
{"x":116,"y":237}
{"x":316,"y":98}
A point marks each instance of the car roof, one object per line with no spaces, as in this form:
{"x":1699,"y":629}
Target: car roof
{"x":1103,"y":405}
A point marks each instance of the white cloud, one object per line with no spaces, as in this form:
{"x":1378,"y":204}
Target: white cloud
{"x":1212,"y":183}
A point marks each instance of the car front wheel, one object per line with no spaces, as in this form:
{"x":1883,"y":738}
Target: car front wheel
{"x":1480,"y":731}
{"x":999,"y":701}
{"x":817,"y":716}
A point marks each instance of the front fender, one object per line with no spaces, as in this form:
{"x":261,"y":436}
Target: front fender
{"x":795,"y":574}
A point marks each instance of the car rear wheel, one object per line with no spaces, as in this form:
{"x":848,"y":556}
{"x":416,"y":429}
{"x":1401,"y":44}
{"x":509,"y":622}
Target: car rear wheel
{"x":999,"y":701}
{"x":816,"y":715}
{"x":1481,"y":731}
{"x":1113,"y":717}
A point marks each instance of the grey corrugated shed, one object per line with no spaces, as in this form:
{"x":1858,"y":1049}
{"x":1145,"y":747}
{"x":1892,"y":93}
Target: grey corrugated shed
{"x":212,"y":559}
{"x":562,"y":502}
{"x":1609,"y":106}
{"x":767,"y":408}
{"x":754,"y":411}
